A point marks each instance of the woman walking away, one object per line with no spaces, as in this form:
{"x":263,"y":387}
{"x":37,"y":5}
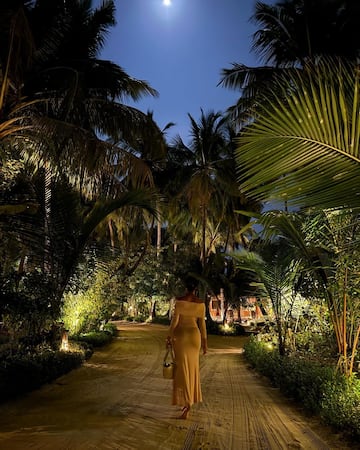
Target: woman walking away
{"x":187,"y":335}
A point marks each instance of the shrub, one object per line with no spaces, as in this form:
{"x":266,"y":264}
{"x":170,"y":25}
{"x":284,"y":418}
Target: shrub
{"x":340,"y":405}
{"x":319,"y":388}
{"x":110,"y":328}
{"x":262,"y":357}
{"x":85,"y":310}
{"x":29,"y":305}
{"x":94,"y":338}
{"x":20,"y":373}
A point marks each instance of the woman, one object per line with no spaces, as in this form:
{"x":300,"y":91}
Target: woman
{"x":187,"y":335}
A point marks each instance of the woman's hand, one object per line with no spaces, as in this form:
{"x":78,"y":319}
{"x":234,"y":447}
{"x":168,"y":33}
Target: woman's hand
{"x":204,"y":346}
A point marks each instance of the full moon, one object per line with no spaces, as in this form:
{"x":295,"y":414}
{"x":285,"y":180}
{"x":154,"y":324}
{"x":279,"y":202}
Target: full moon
{"x":167,"y":2}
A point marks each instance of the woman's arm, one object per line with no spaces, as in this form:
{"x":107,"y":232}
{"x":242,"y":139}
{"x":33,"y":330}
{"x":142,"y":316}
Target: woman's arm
{"x":173,"y":325}
{"x":202,"y":327}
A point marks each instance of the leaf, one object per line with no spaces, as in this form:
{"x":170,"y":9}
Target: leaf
{"x":303,"y":147}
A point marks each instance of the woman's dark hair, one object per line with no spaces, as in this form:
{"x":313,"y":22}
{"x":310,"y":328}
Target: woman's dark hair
{"x":190,"y":283}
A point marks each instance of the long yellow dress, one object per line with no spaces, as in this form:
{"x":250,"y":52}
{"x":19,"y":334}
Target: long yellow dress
{"x":186,"y":330}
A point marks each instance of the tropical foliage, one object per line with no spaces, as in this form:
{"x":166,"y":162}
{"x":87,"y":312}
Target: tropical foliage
{"x":303,"y":147}
{"x":298,"y":118}
{"x":68,"y":142}
{"x":100,"y":217}
{"x":290,"y":34}
{"x":313,"y":256}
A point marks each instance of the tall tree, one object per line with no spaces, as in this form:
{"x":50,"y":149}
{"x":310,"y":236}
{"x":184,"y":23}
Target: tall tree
{"x":79,"y":97}
{"x":205,"y":172}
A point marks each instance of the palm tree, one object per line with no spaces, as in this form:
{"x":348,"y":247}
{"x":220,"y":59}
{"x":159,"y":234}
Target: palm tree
{"x":79,"y":99}
{"x":89,"y":219}
{"x":89,"y":93}
{"x":206,"y":170}
{"x":81,"y":91}
{"x":291,"y":33}
{"x":153,"y":150}
{"x":78,"y":91}
{"x":274,"y":279}
{"x":294,"y":31}
{"x":75,"y":225}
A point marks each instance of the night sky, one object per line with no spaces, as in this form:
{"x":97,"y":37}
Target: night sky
{"x":180,"y":50}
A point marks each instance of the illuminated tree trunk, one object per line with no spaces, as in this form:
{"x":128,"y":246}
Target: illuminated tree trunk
{"x":158,"y":237}
{"x":112,"y":238}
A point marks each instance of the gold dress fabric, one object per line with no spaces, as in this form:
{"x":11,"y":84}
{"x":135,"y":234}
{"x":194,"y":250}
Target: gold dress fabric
{"x":187,"y":329}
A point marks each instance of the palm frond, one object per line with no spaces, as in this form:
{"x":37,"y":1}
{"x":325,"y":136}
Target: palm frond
{"x":251,"y":82}
{"x":138,"y":198}
{"x":304,"y":145}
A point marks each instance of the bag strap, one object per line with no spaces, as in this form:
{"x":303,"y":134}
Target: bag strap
{"x":169,"y":352}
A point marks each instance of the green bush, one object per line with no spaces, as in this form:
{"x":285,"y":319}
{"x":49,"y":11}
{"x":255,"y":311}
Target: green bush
{"x":29,"y":306}
{"x":111,"y":328}
{"x":94,"y":338}
{"x":340,"y":405}
{"x":320,"y":389}
{"x":20,"y":373}
{"x":262,"y":357}
{"x":84,"y":310}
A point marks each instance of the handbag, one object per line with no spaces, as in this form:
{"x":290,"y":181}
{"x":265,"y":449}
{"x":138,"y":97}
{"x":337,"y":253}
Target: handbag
{"x":169,"y":364}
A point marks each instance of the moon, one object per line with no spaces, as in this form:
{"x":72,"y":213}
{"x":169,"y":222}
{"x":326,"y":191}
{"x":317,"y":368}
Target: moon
{"x":167,"y":2}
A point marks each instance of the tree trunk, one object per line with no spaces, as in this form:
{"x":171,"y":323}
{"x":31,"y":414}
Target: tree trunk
{"x":152,"y":310}
{"x":158,"y":237}
{"x":203,"y":250}
{"x":112,"y":238}
{"x":47,"y":219}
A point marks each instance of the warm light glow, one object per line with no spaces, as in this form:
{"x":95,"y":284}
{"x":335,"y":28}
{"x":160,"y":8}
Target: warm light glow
{"x":167,"y":2}
{"x":65,"y":341}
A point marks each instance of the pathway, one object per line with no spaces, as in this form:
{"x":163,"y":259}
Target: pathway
{"x":119,"y":401}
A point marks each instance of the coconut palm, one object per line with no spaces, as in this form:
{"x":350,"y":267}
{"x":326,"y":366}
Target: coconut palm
{"x":206,"y":171}
{"x":79,"y":91}
{"x":73,"y":227}
{"x":90,"y":93}
{"x":292,"y":32}
{"x":219,"y":227}
{"x":79,"y":99}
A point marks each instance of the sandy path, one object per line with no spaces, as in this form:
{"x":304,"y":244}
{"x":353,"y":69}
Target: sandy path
{"x":118,"y":400}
